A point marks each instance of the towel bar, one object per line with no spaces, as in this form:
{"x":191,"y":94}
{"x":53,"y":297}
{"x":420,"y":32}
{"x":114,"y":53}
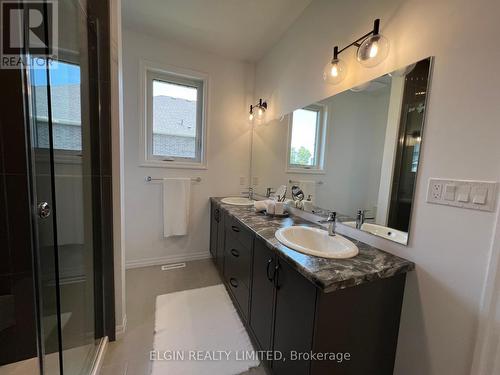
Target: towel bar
{"x":148,"y":179}
{"x":298,"y":182}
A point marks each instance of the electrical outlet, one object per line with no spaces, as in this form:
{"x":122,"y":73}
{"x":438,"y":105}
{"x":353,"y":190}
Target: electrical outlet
{"x":476,"y":195}
{"x":435,"y":190}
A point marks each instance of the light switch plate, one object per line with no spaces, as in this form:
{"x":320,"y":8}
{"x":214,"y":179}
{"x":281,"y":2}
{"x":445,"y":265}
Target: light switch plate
{"x":463,"y":193}
{"x":449,"y":192}
{"x":476,"y":195}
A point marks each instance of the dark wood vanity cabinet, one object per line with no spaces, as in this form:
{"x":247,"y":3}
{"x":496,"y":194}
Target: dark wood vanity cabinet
{"x":217,"y":236}
{"x":262,"y":305}
{"x":282,"y":310}
{"x":290,"y":315}
{"x":294,"y":319}
{"x":285,"y":312}
{"x":238,"y":246}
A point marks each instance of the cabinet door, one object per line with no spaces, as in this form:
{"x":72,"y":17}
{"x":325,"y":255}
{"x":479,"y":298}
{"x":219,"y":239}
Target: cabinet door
{"x":294,"y":319}
{"x":237,"y":262}
{"x":220,"y":242}
{"x":261,"y":309}
{"x":214,"y":219}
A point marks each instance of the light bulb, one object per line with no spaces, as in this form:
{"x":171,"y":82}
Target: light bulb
{"x":260,"y":113}
{"x":335,"y":71}
{"x":373,"y":50}
{"x":250,"y":117}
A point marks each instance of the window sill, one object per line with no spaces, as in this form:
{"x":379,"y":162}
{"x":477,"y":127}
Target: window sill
{"x":172,"y":165}
{"x":305,"y":171}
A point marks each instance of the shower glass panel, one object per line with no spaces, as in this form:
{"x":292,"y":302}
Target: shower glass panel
{"x":64,"y":160}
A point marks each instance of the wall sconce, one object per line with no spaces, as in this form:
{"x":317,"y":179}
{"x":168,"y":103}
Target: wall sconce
{"x":257,"y":110}
{"x":373,"y":48}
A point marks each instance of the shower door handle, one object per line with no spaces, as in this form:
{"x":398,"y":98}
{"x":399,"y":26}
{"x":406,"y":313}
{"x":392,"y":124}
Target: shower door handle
{"x":43,"y":210}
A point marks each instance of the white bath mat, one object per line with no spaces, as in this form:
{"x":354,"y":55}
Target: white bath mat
{"x":198,"y":331}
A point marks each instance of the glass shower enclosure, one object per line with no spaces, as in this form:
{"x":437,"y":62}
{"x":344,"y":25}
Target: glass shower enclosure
{"x":63,"y":144}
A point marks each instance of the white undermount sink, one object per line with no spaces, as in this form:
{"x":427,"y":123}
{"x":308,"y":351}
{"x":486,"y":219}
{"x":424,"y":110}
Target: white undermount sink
{"x":238,"y":201}
{"x":381,"y":231}
{"x":317,"y":242}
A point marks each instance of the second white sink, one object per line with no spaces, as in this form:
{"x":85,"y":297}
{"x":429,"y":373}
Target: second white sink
{"x":381,"y":231}
{"x":238,"y":201}
{"x":316,"y":242}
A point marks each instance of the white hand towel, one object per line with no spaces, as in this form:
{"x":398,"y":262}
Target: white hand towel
{"x":176,"y":197}
{"x":271,"y":206}
{"x":260,"y":206}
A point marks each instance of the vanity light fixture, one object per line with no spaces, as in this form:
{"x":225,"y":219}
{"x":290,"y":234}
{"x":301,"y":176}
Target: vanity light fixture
{"x":373,"y":48}
{"x":257,"y":110}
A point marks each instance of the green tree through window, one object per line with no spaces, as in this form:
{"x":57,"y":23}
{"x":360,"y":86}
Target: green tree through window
{"x":302,"y":156}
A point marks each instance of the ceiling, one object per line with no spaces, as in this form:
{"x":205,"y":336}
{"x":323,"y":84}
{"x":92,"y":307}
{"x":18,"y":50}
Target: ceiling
{"x":240,"y":29}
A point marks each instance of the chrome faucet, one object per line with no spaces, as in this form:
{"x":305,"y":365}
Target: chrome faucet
{"x":332,"y":219}
{"x":269,"y":192}
{"x":249,"y":192}
{"x":361,"y":218}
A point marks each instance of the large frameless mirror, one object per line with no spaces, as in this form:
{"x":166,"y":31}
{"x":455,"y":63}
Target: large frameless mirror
{"x":356,"y":152}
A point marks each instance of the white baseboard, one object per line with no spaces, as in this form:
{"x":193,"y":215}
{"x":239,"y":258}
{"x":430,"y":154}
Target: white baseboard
{"x":164,"y":260}
{"x":101,"y":352}
{"x":121,"y":328}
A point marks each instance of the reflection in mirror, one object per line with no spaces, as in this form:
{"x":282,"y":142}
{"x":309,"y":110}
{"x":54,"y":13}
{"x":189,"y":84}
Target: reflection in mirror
{"x":356,"y":152}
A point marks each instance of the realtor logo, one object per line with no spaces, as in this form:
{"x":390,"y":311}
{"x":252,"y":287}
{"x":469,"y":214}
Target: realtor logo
{"x":29,"y":33}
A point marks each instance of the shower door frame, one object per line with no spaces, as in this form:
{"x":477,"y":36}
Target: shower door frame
{"x":99,"y":92}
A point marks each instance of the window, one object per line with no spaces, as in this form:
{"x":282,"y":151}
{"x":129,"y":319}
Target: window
{"x":174,"y":119}
{"x":306,"y":139}
{"x":65,"y":106}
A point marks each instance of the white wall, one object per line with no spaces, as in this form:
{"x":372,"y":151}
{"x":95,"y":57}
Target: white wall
{"x":118,"y":163}
{"x":450,"y":246}
{"x":230,"y":92}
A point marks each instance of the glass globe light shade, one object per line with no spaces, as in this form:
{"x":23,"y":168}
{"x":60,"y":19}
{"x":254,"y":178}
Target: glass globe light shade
{"x":260,"y":113}
{"x":373,"y":50}
{"x":335,"y":71}
{"x":250,"y":117}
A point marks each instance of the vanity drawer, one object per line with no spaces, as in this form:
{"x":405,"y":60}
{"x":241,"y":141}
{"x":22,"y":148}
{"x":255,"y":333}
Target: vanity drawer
{"x":239,"y":231}
{"x":237,"y":259}
{"x":240,"y":293}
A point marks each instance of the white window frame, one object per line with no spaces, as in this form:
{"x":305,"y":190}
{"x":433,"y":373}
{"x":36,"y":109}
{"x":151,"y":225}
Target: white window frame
{"x":321,"y":132}
{"x":149,"y":71}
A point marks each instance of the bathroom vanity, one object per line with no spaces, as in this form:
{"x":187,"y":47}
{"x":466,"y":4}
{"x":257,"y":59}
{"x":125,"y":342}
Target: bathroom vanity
{"x":344,"y":311}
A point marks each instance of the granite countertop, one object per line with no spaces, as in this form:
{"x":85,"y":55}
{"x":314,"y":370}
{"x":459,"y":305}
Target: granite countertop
{"x":328,"y":274}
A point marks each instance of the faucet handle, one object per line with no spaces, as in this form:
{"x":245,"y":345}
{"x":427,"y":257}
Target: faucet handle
{"x":248,"y":192}
{"x":269,"y":191}
{"x":332,"y":216}
{"x":363,"y":211}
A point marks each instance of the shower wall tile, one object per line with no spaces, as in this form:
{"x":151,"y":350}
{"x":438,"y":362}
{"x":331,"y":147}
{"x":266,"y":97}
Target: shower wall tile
{"x":17,"y":297}
{"x":4,"y":244}
{"x":17,"y":329}
{"x":12,"y":135}
{"x":19,"y":225}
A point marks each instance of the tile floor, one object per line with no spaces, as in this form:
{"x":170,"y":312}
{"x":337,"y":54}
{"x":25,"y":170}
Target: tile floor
{"x":130,"y":354}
